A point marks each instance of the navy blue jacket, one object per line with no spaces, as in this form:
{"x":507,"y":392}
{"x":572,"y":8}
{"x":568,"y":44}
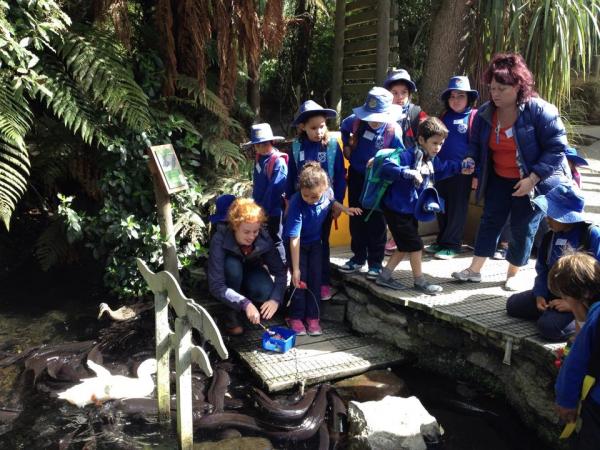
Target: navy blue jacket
{"x":316,"y":151}
{"x":267,"y":192}
{"x":541,"y":142}
{"x":402,"y":195}
{"x":265,"y":253}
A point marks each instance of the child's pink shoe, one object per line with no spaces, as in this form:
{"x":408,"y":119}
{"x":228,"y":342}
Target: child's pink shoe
{"x":390,"y":246}
{"x":326,"y":292}
{"x":313,"y":327}
{"x":297,"y":326}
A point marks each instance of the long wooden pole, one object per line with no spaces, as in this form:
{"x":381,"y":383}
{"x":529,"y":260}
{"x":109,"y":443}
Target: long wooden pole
{"x":338,"y":58}
{"x":383,"y":40}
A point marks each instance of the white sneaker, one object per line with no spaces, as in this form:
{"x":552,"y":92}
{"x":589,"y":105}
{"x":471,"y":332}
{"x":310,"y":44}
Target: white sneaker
{"x":511,"y":284}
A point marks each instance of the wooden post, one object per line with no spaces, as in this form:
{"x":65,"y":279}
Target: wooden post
{"x":338,"y":59}
{"x":163,"y":346}
{"x":183,"y":367}
{"x":383,"y":41}
{"x":165,"y":223}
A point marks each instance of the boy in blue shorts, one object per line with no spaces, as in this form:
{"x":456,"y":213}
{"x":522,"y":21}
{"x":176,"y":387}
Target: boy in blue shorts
{"x":416,"y":170}
{"x":576,"y":278}
{"x":372,"y":127}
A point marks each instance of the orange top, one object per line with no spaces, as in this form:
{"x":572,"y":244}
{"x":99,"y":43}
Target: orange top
{"x":504,"y":151}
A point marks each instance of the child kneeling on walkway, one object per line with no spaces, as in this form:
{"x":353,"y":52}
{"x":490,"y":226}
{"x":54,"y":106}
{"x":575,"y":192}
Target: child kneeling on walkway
{"x":576,"y":278}
{"x":307,"y":211}
{"x":410,"y":177}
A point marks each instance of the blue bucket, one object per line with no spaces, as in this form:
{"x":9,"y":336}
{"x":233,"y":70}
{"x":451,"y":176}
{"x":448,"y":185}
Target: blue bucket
{"x":285,"y":339}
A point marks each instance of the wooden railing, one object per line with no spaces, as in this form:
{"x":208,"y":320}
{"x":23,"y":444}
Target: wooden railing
{"x":188,"y":315}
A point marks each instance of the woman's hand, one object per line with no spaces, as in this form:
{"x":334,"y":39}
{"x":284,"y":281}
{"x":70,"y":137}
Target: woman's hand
{"x":474,"y":184}
{"x":268,"y":308}
{"x":468,"y":166}
{"x":524,"y":186}
{"x":252,"y":314}
{"x":370,"y":162}
{"x":296,"y":278}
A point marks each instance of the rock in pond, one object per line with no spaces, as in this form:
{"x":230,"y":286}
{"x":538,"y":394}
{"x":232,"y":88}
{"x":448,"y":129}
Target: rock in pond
{"x":242,"y":443}
{"x":394,"y":423}
{"x":373,"y":385}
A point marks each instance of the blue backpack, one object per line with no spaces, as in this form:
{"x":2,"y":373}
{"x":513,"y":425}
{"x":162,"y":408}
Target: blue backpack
{"x":374,"y":187}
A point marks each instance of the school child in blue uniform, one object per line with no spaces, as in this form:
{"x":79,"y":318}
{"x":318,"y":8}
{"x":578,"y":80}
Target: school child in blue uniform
{"x":563,"y":207}
{"x":576,"y":278}
{"x":269,"y":177}
{"x":372,"y":127}
{"x":459,"y":99}
{"x":307,"y":211}
{"x":402,"y":204}
{"x":315,"y":143}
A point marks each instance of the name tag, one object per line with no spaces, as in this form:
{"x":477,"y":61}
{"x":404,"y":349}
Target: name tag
{"x":301,"y":156}
{"x":258,"y":168}
{"x":369,"y":135}
{"x":458,"y":121}
{"x":509,"y":133}
{"x":561,"y":242}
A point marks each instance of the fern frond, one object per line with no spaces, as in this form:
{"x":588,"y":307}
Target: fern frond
{"x":101,"y":71}
{"x":52,"y":247}
{"x":225,"y":153}
{"x":175,"y":121}
{"x":204,"y":98}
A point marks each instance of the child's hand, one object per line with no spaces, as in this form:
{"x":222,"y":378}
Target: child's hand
{"x":468,"y":166}
{"x":560,"y":305}
{"x":268,"y":309}
{"x":353,"y":211}
{"x":252,"y":314}
{"x":296,"y":278}
{"x":336,"y":209}
{"x":418,"y":179}
{"x":370,"y":162}
{"x":566,"y":415}
{"x":474,"y":184}
{"x":540,"y":303}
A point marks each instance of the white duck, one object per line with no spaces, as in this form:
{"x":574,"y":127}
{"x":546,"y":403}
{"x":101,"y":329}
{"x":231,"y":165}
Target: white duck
{"x":106,"y":386}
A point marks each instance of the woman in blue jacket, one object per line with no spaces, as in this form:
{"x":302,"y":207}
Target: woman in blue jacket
{"x":518,"y":150}
{"x":241,"y":262}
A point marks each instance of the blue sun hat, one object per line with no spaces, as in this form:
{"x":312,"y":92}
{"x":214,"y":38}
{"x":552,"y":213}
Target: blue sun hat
{"x":222,"y":207}
{"x":563,"y":204}
{"x":460,"y":83}
{"x":394,"y":75}
{"x":572,"y":155}
{"x":379,"y":107}
{"x":261,"y":132}
{"x":428,"y":204}
{"x":309,"y":109}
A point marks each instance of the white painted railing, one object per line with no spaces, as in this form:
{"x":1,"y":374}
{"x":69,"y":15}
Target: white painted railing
{"x":188,"y":315}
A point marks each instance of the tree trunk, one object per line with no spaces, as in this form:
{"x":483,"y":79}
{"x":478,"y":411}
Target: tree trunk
{"x":444,"y":57}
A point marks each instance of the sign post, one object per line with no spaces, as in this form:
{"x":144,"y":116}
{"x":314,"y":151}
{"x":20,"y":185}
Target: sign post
{"x":167,"y":178}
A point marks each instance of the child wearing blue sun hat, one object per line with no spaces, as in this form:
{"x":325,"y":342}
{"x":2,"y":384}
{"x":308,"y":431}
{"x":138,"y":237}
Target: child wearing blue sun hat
{"x":563,"y":207}
{"x":370,"y":128}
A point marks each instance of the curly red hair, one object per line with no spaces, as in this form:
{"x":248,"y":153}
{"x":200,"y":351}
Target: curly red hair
{"x":511,"y":69}
{"x":244,"y":210}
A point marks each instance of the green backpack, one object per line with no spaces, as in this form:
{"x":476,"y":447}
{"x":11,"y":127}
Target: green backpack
{"x":374,"y":187}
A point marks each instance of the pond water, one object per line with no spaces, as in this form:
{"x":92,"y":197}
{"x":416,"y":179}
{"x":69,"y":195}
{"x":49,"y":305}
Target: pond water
{"x":61,"y":309}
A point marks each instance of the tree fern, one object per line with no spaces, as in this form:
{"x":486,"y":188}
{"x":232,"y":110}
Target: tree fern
{"x":100,"y":71}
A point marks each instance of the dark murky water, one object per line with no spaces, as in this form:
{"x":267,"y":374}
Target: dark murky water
{"x":32,"y":315}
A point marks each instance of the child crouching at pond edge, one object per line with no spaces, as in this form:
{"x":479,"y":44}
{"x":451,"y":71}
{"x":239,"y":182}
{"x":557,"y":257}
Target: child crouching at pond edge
{"x":307,"y":211}
{"x":411,"y":172}
{"x":576,"y":278}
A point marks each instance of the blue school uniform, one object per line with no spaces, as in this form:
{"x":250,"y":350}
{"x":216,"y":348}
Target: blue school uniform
{"x":454,"y":190}
{"x":316,"y":151}
{"x":267,"y":191}
{"x":306,"y":221}
{"x":570,"y":378}
{"x":367,"y":237}
{"x":553,"y":325}
{"x":402,"y":195}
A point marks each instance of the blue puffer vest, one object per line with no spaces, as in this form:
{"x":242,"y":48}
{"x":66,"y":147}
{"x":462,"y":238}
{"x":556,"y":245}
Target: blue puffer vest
{"x":541,"y":142}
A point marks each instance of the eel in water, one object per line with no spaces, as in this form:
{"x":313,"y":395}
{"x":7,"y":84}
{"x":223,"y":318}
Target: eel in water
{"x":278,"y":411}
{"x":217,"y":390}
{"x":339,"y":417}
{"x":305,"y":430}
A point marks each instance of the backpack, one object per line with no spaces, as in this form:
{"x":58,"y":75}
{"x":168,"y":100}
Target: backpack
{"x":358,"y":129}
{"x":273,"y":157}
{"x":375,"y":187}
{"x":332,"y":148}
{"x":584,"y":240}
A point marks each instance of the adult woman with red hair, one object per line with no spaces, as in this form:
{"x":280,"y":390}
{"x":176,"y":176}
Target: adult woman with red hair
{"x":518,"y":148}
